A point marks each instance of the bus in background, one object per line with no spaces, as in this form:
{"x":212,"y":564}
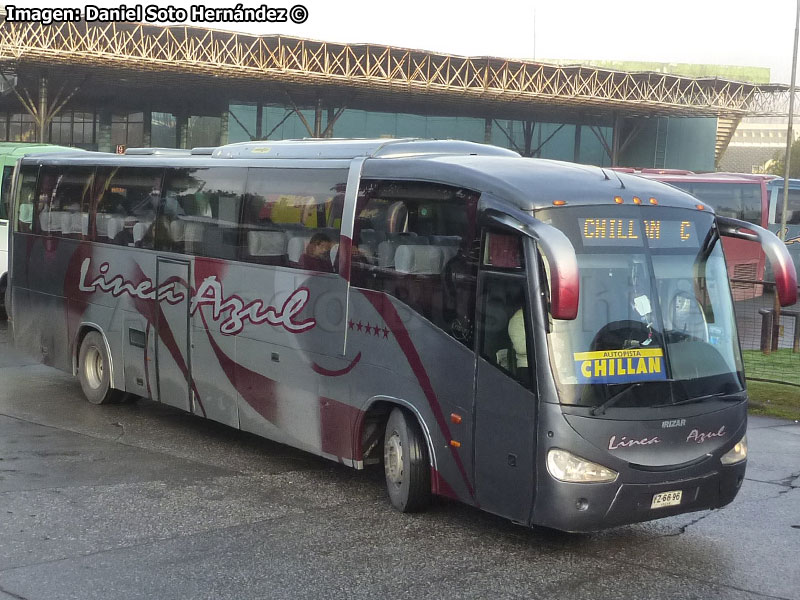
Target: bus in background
{"x":791,"y":234}
{"x":10,"y":152}
{"x":545,"y":341}
{"x":742,"y":197}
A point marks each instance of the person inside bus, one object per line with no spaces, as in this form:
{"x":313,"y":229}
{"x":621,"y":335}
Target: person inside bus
{"x":317,"y":256}
{"x":516,"y":331}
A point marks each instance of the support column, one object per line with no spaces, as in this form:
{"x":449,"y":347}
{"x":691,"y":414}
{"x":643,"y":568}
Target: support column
{"x":487,"y":131}
{"x":43,"y":121}
{"x":615,"y":139}
{"x":527,"y":134}
{"x":147,"y":128}
{"x":329,"y":122}
{"x":318,"y":119}
{"x":259,"y":121}
{"x":104,"y":132}
{"x":182,"y":130}
{"x":576,"y":155}
{"x":223,"y":127}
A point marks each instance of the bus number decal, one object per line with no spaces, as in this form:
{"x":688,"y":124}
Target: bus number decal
{"x":210,"y":292}
{"x":619,"y":366}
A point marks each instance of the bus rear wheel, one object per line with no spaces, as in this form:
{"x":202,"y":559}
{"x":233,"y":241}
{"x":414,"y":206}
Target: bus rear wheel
{"x":94,"y":371}
{"x":406,"y":464}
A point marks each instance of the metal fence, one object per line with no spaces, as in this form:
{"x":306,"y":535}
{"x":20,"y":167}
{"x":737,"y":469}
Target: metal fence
{"x":769,"y":334}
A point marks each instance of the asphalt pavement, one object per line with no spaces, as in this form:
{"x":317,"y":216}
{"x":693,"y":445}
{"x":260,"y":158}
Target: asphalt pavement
{"x":143,"y":501}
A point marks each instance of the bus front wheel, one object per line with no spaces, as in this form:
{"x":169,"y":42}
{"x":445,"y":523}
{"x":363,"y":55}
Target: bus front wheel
{"x":405,"y":462}
{"x":94,"y":371}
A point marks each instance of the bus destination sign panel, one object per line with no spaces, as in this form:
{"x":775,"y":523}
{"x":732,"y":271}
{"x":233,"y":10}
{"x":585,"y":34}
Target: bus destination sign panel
{"x":602,"y":231}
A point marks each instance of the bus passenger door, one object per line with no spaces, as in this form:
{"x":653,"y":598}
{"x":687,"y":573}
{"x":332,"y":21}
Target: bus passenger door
{"x":505,"y":404}
{"x":173,"y":359}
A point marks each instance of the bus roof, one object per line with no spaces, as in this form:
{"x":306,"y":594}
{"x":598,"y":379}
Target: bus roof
{"x":705,"y":177}
{"x":778,"y":183}
{"x":17,"y":149}
{"x":350,"y":148}
{"x":524,"y":183}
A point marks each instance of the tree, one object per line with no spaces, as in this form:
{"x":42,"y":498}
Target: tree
{"x":776,"y":165}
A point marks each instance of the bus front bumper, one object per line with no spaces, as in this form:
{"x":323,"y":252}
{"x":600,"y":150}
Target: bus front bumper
{"x":590,"y":507}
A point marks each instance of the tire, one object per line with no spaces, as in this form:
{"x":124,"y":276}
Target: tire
{"x":94,"y":371}
{"x":406,"y":464}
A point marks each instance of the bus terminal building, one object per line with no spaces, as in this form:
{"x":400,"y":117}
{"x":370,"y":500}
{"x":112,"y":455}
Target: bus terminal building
{"x":110,"y":86}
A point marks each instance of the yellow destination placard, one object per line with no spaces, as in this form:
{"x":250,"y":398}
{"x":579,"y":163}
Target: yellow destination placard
{"x":619,"y":366}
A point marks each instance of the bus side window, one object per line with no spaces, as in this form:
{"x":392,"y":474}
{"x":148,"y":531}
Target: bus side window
{"x":200,"y":211}
{"x":126,"y":199}
{"x":293,"y":217}
{"x":5,"y":192}
{"x":24,"y":200}
{"x":503,"y":306}
{"x":63,"y":201}
{"x":417,"y":241}
{"x":792,"y":207}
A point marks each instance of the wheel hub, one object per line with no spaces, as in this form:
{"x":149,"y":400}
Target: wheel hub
{"x":393,"y":459}
{"x":94,"y":368}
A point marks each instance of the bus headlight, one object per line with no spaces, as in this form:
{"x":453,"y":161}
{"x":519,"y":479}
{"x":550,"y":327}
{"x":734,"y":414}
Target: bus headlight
{"x":565,"y":466}
{"x":736,"y":454}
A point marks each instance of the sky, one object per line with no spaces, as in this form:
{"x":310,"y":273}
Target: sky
{"x":691,"y":31}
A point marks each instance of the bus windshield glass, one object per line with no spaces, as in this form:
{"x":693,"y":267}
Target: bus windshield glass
{"x":655,"y":308}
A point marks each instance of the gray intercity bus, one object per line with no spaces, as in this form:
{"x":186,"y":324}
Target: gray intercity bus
{"x":549,"y":342}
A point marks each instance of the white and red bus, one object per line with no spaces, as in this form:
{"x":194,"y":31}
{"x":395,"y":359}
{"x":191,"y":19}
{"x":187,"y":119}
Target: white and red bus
{"x":10,"y":152}
{"x":552,"y":343}
{"x":739,"y":196}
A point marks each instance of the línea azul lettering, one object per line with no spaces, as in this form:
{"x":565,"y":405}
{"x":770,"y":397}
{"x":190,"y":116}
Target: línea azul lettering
{"x":210,"y":292}
{"x":117,"y":285}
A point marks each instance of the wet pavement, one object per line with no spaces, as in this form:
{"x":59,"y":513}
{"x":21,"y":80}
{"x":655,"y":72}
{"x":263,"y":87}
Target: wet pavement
{"x":142,"y":501}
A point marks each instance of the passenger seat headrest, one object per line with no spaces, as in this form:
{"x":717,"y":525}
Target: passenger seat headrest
{"x":266,"y":243}
{"x":419,"y":260}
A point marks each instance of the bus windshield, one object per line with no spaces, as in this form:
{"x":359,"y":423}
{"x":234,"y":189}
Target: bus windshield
{"x":655,"y":308}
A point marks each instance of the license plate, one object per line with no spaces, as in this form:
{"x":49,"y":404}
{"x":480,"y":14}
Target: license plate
{"x":666,"y":499}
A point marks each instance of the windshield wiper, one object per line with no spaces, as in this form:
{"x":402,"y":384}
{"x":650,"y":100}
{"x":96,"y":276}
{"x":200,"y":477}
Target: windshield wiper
{"x":699,"y":399}
{"x":614,"y":399}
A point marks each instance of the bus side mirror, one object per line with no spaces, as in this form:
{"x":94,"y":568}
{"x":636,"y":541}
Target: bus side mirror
{"x":562,"y":267}
{"x":559,"y":255}
{"x":774,"y":248}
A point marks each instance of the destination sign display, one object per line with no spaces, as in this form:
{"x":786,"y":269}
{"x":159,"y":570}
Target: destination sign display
{"x":603,"y":231}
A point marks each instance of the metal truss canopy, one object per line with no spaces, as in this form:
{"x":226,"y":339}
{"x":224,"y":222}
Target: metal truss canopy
{"x":388,"y":75}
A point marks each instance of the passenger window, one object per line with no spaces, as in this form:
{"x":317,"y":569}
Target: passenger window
{"x":125,"y":205}
{"x":503,"y":316}
{"x":792,"y":207}
{"x":417,"y":241}
{"x":63,"y":201}
{"x":736,"y":200}
{"x":24,"y":201}
{"x":292,"y":217}
{"x":5,"y":192}
{"x":200,"y":212}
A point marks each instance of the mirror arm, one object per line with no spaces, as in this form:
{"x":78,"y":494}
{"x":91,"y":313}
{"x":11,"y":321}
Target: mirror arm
{"x":774,"y":248}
